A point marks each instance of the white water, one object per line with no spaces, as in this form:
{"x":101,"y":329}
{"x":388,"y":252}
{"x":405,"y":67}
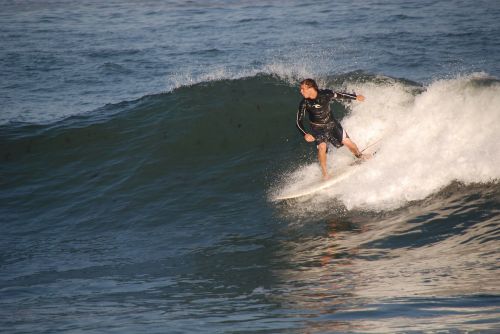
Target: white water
{"x":449,"y":132}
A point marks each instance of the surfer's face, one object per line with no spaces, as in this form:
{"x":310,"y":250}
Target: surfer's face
{"x":308,"y":92}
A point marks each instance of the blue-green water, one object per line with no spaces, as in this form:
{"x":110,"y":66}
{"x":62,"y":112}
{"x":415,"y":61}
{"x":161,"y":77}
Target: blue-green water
{"x":141,"y":145}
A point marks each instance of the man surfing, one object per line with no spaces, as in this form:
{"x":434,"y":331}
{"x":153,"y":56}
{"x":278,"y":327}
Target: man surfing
{"x":324,"y":127}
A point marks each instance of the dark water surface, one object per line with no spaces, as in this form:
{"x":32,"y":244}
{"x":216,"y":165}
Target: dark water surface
{"x":142,"y":143}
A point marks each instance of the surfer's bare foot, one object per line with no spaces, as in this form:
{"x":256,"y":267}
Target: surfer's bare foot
{"x":326,"y":177}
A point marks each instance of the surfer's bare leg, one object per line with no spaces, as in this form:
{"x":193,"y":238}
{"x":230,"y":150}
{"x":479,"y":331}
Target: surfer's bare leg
{"x":322,"y":160}
{"x":352,"y":147}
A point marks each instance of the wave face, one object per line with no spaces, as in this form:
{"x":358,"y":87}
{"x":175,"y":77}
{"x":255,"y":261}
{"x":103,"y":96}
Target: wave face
{"x":134,"y":153}
{"x":164,"y":202}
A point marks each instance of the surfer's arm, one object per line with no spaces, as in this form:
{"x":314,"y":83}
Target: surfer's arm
{"x":300,"y":119}
{"x":348,"y":96}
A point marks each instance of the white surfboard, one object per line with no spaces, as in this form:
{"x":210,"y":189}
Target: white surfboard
{"x":318,"y":186}
{"x":321,"y":185}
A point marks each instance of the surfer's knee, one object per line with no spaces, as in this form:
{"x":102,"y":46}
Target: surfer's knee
{"x":322,"y":147}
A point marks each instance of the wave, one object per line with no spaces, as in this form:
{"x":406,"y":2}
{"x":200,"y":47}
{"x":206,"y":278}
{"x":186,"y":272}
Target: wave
{"x":432,"y":135}
{"x":208,"y":118}
{"x":206,"y":114}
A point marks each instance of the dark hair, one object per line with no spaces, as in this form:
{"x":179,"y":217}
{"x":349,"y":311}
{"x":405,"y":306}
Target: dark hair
{"x":310,"y":83}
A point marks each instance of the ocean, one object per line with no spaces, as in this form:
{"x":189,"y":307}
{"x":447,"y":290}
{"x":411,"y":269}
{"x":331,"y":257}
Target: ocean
{"x":143,"y":143}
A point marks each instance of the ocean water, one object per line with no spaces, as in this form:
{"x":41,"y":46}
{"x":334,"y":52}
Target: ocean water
{"x":142,"y":145}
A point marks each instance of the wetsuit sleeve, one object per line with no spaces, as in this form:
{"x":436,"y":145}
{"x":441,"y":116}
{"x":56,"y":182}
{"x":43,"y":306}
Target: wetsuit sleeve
{"x":300,"y":118}
{"x":339,"y":95}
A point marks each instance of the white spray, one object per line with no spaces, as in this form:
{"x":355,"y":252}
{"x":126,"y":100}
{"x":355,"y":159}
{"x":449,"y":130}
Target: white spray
{"x":450,"y":131}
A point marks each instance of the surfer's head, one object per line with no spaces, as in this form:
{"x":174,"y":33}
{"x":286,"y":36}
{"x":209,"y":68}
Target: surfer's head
{"x":309,"y":88}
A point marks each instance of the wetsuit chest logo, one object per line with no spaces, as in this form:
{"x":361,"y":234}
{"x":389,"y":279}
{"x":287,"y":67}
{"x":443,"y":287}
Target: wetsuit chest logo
{"x":317,"y":106}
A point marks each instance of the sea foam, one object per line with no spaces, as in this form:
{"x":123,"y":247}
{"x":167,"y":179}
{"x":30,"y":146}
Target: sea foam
{"x":448,"y":132}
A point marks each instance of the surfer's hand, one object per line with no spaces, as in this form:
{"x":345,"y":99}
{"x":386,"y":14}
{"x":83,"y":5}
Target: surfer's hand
{"x":360,"y":98}
{"x":309,"y":138}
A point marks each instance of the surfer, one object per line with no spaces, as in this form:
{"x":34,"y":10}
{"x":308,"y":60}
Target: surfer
{"x":324,"y":127}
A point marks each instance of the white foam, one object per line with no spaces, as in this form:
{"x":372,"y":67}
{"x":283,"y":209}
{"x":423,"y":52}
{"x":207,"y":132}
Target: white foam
{"x":449,"y":132}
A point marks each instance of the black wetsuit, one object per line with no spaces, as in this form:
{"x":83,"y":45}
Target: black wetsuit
{"x":324,"y":127}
